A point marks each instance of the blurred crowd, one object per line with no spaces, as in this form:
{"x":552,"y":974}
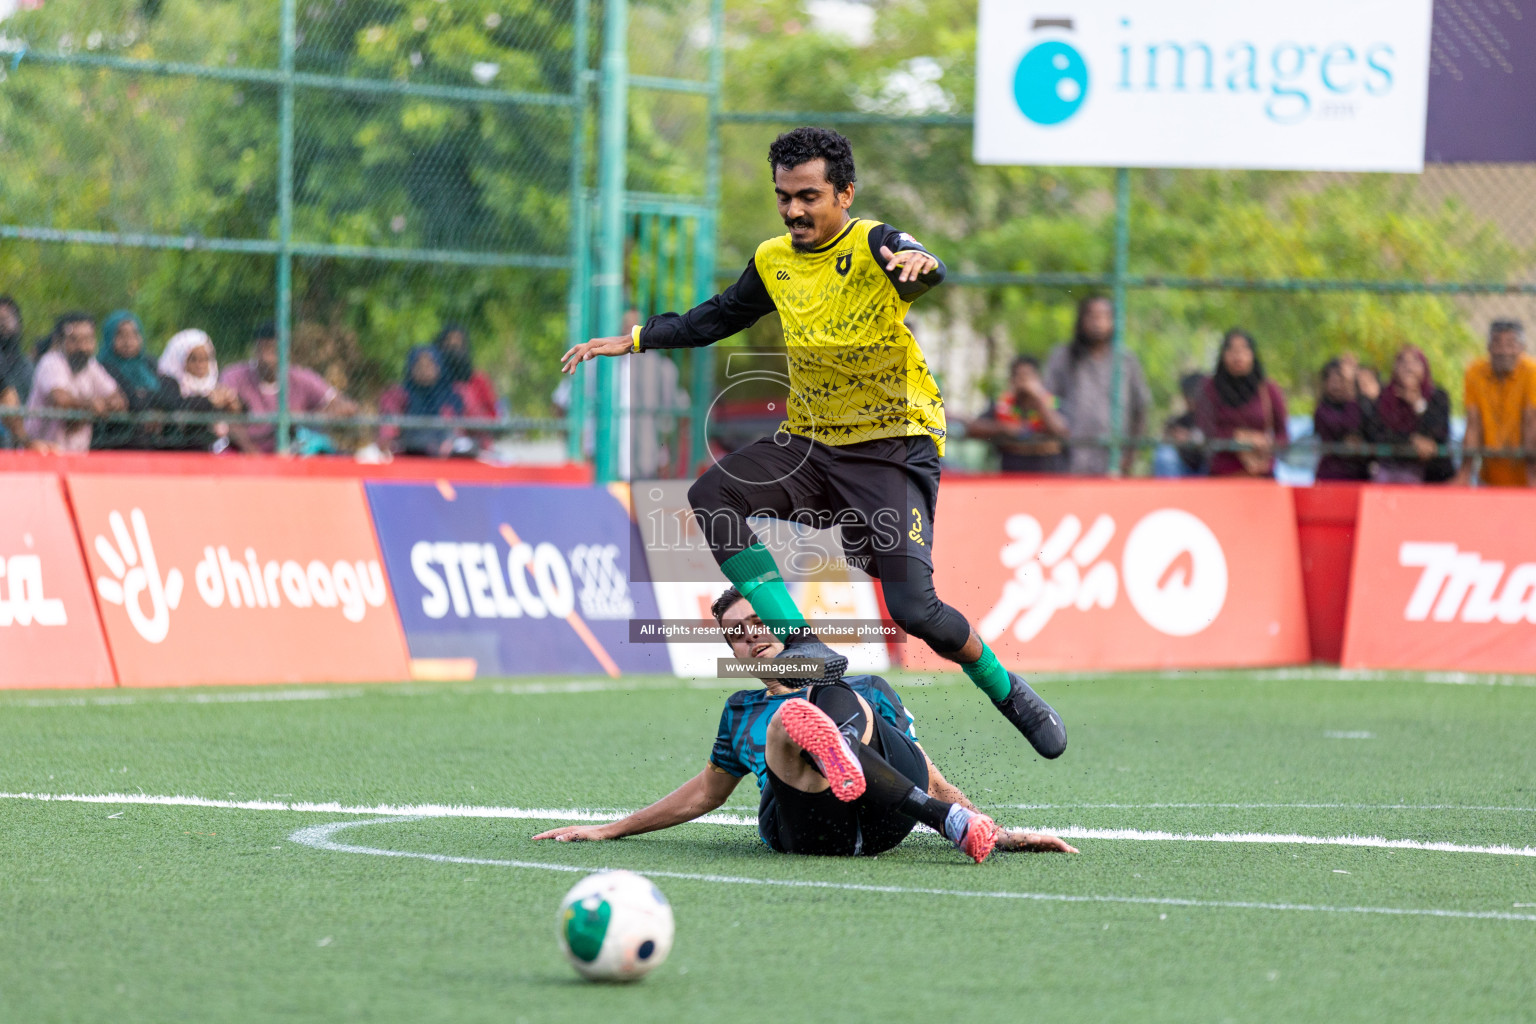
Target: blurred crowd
{"x":93,"y":373}
{"x":1056,"y":417}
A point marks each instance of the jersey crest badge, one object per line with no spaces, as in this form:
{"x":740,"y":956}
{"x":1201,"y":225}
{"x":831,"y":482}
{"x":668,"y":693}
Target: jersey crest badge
{"x":844,"y":263}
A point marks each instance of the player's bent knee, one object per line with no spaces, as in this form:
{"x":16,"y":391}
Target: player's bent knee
{"x":705,"y":493}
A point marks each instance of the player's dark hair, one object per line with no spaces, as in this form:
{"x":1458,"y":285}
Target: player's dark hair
{"x":805,"y":144}
{"x":1514,"y":327}
{"x":1018,"y":361}
{"x":263,"y":332}
{"x":728,"y":597}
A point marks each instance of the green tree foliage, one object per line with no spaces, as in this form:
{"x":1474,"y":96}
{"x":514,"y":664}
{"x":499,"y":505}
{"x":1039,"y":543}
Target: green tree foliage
{"x":98,"y":150}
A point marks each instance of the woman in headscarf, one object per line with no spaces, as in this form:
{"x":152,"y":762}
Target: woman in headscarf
{"x":1340,"y":418}
{"x":1411,"y":412}
{"x":189,"y":361}
{"x":121,"y":353}
{"x":428,"y":392}
{"x":1241,"y":404}
{"x":473,"y":387}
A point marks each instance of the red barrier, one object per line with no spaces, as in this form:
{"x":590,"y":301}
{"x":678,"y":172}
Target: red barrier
{"x":49,"y":633}
{"x":1325,"y":533}
{"x":1097,"y":575}
{"x":202,"y":464}
{"x":206,"y":581}
{"x":1444,"y":578}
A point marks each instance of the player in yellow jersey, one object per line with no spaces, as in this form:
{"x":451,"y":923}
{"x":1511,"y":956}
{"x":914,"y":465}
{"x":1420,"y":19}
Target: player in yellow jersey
{"x":864,"y":425}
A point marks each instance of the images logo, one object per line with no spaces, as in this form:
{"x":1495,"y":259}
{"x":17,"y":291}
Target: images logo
{"x":1051,"y":81}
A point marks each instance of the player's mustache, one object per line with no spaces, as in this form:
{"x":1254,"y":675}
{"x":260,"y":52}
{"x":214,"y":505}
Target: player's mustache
{"x":800,"y":222}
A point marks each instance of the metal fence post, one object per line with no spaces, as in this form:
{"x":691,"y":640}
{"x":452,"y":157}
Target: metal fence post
{"x":702,"y":386}
{"x":1117,"y":346}
{"x":581,"y":235}
{"x":611,"y":175}
{"x":285,"y":226}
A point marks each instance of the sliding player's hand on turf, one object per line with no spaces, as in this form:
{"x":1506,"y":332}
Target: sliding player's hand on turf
{"x":575,"y":833}
{"x":914,"y":263}
{"x":1016,"y":840}
{"x":615,"y":346}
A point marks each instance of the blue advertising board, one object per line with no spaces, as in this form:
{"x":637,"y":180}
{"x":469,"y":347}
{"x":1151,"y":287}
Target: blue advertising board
{"x":514,"y":579}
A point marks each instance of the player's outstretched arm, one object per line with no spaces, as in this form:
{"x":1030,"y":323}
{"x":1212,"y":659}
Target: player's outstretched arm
{"x":698,"y":796}
{"x":615,"y":346}
{"x":741,"y":305}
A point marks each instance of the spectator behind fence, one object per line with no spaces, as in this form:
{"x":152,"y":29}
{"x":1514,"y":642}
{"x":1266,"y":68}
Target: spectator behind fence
{"x":189,"y":363}
{"x":15,"y":376}
{"x":1240,"y":404}
{"x":121,"y":353}
{"x":255,"y":383}
{"x":1501,"y":407}
{"x":1079,"y":374}
{"x":1024,"y":424}
{"x":69,"y":377}
{"x":1340,"y":419}
{"x":1411,"y":412}
{"x":1181,"y":453}
{"x":457,"y":358}
{"x":429,"y":392}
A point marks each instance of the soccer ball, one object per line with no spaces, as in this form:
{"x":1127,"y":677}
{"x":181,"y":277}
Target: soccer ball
{"x":615,"y":926}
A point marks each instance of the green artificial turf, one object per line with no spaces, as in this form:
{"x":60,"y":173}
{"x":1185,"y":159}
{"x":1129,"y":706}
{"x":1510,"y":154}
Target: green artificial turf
{"x":126,"y":912}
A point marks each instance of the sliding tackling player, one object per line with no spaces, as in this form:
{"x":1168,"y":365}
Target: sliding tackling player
{"x":864,"y":430}
{"x":840,"y":771}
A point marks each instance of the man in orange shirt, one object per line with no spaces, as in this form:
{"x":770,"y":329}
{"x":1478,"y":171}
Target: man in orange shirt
{"x":1501,"y":407}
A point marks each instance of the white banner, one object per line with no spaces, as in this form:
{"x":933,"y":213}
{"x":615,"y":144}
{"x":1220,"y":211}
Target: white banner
{"x":1326,"y":85}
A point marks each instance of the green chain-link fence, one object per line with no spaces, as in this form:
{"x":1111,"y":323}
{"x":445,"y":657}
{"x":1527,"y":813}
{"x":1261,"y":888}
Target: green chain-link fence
{"x":420,"y":162}
{"x":357,"y":174}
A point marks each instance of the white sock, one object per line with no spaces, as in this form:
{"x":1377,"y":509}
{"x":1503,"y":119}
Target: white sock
{"x":956,"y":823}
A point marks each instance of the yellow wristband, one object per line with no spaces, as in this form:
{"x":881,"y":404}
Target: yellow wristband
{"x":636,"y":335}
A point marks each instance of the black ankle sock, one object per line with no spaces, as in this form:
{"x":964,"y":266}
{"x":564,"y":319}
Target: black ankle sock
{"x":889,"y":788}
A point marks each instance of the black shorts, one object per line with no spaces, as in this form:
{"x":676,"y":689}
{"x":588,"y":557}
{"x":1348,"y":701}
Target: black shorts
{"x":882,"y":493}
{"x":819,"y":824}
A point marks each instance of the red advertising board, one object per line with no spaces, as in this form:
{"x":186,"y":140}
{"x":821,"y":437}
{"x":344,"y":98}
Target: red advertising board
{"x":49,"y":633}
{"x":238,"y":580}
{"x":1090,"y":575}
{"x":1444,"y":578}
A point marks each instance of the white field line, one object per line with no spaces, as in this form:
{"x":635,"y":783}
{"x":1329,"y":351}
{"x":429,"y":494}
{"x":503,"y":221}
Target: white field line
{"x":582,"y":814}
{"x":661,"y":683}
{"x":1254,"y":807}
{"x":318,"y":837}
{"x":240,"y":696}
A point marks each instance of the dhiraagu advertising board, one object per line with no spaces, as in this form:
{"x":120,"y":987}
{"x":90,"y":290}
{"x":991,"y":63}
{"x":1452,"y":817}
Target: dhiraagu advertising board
{"x":1336,"y":85}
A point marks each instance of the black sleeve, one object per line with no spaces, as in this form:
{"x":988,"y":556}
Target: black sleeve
{"x":899,"y":241}
{"x":732,"y":311}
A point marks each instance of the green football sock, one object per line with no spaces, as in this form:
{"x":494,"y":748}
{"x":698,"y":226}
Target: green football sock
{"x":987,"y":673}
{"x":755,"y":573}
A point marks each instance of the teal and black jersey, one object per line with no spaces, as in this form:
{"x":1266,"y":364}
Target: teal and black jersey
{"x":744,"y":723}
